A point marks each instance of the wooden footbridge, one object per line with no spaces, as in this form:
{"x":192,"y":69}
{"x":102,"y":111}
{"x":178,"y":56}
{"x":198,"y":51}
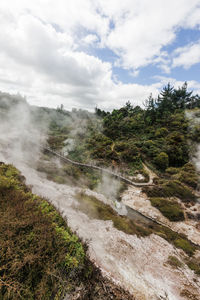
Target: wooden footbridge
{"x":116,"y":175}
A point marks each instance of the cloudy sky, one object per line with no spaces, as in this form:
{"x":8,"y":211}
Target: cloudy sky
{"x":87,"y":53}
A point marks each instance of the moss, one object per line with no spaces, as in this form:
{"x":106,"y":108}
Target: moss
{"x":194,"y":265}
{"x":98,"y":210}
{"x":174,"y":262}
{"x":171,"y":188}
{"x":177,"y":239}
{"x":185,"y":246}
{"x":170,"y":209}
{"x":44,"y":256}
{"x":172,"y":170}
{"x":59,"y":179}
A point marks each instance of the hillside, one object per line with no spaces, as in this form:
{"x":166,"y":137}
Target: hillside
{"x":111,"y":226}
{"x":40,"y":256}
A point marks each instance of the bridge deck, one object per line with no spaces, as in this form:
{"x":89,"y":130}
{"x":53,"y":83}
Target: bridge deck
{"x":116,"y":175}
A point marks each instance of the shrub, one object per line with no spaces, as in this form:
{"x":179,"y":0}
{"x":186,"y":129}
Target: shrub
{"x":161,"y":132}
{"x":190,"y":179}
{"x":169,"y":209}
{"x":131,"y":153}
{"x":184,"y":245}
{"x":39,"y":254}
{"x":162,"y":160}
{"x":172,"y":170}
{"x":194,"y":265}
{"x":171,"y":188}
{"x":150,"y":148}
{"x":174,"y":262}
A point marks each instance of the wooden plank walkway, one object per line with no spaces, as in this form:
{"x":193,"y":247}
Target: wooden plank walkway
{"x":116,"y":175}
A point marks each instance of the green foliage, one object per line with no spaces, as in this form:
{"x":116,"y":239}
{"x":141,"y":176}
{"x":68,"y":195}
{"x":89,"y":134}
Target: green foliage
{"x":170,"y":209}
{"x":172,"y":170}
{"x":40,"y":256}
{"x":171,"y":188}
{"x":162,"y":160}
{"x":98,"y":210}
{"x":185,"y":246}
{"x":150,"y":148}
{"x":130,"y":153}
{"x":161,"y":132}
{"x":187,"y":174}
{"x":178,"y":240}
{"x":194,"y":265}
{"x":174,"y":262}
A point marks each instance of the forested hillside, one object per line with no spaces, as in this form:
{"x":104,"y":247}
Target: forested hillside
{"x":41,"y":258}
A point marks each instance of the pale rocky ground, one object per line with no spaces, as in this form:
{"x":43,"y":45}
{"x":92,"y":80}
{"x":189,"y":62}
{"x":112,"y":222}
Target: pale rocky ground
{"x":134,"y":198}
{"x":137,"y":264}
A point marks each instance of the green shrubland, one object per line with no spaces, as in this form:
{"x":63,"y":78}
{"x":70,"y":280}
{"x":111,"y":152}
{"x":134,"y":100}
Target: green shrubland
{"x":171,"y":188}
{"x":40,"y":257}
{"x":39,"y":254}
{"x":169,"y":208}
{"x":174,"y":262}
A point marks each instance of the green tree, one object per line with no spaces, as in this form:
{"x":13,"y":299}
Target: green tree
{"x":162,"y":160}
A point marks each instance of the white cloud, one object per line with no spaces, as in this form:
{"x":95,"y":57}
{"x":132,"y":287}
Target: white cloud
{"x":192,"y":85}
{"x":90,"y":39}
{"x":42,"y":52}
{"x":142,"y":28}
{"x":187,"y":56}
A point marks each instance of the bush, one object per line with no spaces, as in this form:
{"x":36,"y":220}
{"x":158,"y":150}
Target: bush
{"x":131,"y":153}
{"x":161,"y":132}
{"x":162,"y":160}
{"x":39,"y":254}
{"x":150,"y":148}
{"x":171,"y":188}
{"x":187,"y":178}
{"x":172,"y":170}
{"x":169,"y":209}
{"x":185,"y":246}
{"x":194,"y":265}
{"x":174,"y":262}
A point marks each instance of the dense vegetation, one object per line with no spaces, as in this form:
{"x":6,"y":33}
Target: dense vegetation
{"x":40,"y":258}
{"x":159,"y":135}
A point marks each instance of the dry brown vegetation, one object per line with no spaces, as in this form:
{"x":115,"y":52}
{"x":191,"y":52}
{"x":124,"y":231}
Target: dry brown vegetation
{"x":40,"y":258}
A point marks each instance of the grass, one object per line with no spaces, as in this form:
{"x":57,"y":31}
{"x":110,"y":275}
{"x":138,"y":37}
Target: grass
{"x":98,"y":210}
{"x":170,"y":209}
{"x":177,"y":239}
{"x":40,"y":256}
{"x":171,"y":188}
{"x":185,"y":245}
{"x":174,"y":262}
{"x":194,"y":265}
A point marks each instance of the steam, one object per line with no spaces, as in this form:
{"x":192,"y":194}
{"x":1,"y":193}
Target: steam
{"x":138,"y":264}
{"x":20,"y":135}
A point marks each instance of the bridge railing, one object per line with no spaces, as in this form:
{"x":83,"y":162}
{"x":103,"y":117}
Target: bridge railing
{"x":116,"y":175}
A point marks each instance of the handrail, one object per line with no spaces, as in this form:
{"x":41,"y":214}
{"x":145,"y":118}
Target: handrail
{"x":122,"y":178}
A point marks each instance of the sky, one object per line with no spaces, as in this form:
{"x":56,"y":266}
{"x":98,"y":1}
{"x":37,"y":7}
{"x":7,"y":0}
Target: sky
{"x":97,"y":53}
